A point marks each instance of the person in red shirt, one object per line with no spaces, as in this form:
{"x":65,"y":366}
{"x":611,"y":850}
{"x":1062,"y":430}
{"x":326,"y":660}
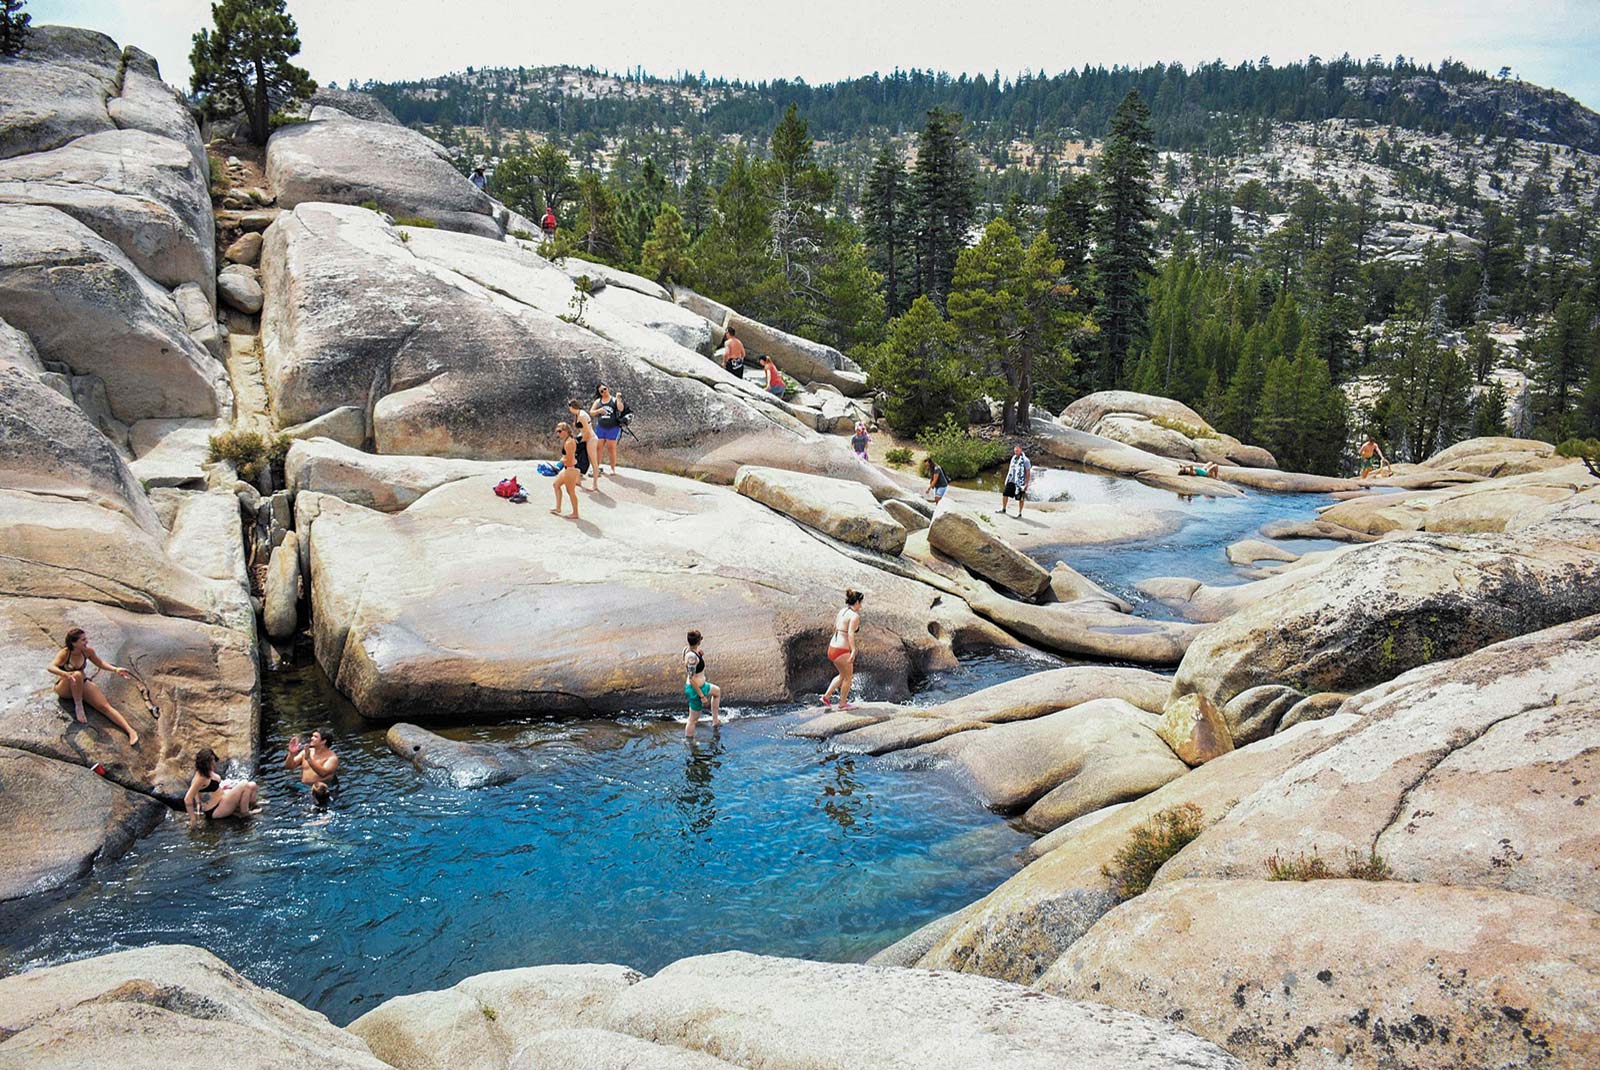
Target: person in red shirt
{"x":775,"y":384}
{"x":549,"y":222}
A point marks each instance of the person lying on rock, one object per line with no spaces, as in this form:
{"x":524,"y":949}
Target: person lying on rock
{"x":76,"y":664}
{"x":1209,"y":471}
{"x":211,"y":796}
{"x":733,"y":354}
{"x":842,"y":649}
{"x":587,"y":450}
{"x":570,"y":475}
{"x":316,"y":761}
{"x":607,"y":413}
{"x":697,"y":688}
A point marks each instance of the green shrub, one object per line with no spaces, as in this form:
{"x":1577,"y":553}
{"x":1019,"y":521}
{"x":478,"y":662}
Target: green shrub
{"x":371,"y":206}
{"x":961,"y":455}
{"x":416,"y":221}
{"x":521,"y":235}
{"x":900,"y":456}
{"x":1368,"y":867}
{"x":1149,"y":847}
{"x":1588,"y":448}
{"x":1182,"y":428}
{"x":219,"y":176}
{"x":249,"y":451}
{"x":279,"y":119}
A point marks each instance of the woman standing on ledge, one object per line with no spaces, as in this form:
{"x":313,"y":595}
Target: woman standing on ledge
{"x":842,"y":648}
{"x":76,"y":664}
{"x":607,"y":413}
{"x":568,"y":477}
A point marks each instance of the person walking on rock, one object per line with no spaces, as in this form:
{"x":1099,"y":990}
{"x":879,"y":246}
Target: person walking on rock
{"x":548,"y":224}
{"x":860,"y":441}
{"x":607,"y":411}
{"x":938,"y":482}
{"x":1019,"y":477}
{"x":842,"y":649}
{"x":697,"y":689}
{"x":733,"y":354}
{"x":569,"y":477}
{"x":775,"y":384}
{"x":76,"y":665}
{"x":587,"y":452}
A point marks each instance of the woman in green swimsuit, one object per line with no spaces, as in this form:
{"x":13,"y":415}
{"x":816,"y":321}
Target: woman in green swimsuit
{"x":697,"y":689}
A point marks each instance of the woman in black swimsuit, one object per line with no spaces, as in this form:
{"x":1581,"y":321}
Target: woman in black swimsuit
{"x":76,"y":664}
{"x":568,"y":477}
{"x":587,"y":454}
{"x":210,"y":795}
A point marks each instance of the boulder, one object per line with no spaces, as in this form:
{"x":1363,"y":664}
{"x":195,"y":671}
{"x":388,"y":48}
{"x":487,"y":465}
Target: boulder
{"x":173,"y":453}
{"x":765,"y":1012}
{"x":59,"y":819}
{"x":1067,"y":584}
{"x":344,"y":160}
{"x":241,"y":292}
{"x":85,"y":304}
{"x":1352,"y":973}
{"x":906,"y":515}
{"x":1206,"y":603}
{"x":449,"y":342}
{"x":48,"y":446}
{"x":208,"y":538}
{"x":800,"y":358}
{"x":144,"y":194}
{"x":480,"y":1023}
{"x":1194,"y":729}
{"x":714,"y":311}
{"x":679,"y":324}
{"x":1490,"y":505}
{"x":1161,"y":426}
{"x":246,"y":248}
{"x":1467,"y":772}
{"x":1020,"y":929}
{"x":653,"y":557}
{"x":56,"y":88}
{"x":1054,"y":768}
{"x":280,"y":603}
{"x":346,"y":425}
{"x":1376,"y":610}
{"x":1249,"y":551}
{"x":602,"y":277}
{"x":1313,"y":529}
{"x":846,"y":511}
{"x":167,"y":1006}
{"x":201,"y":677}
{"x":960,"y":536}
{"x":147,"y":103}
{"x":465,"y":765}
{"x":353,"y":103}
{"x":385,"y":482}
{"x":1495,"y":456}
{"x":602,"y":1049}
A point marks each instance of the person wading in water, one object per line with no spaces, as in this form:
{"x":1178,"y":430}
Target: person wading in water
{"x":842,"y":649}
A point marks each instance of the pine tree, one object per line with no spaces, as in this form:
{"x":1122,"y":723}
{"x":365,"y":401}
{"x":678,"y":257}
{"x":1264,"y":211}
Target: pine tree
{"x":1125,"y":240}
{"x":1562,"y":353}
{"x":1489,"y":412}
{"x":597,"y":234}
{"x":1069,"y":219}
{"x":797,"y":190}
{"x":13,"y":26}
{"x":551,"y":171}
{"x":242,"y":63}
{"x":920,"y":371}
{"x":944,"y":194}
{"x":733,"y":257}
{"x":665,"y":256}
{"x":888,"y":220}
{"x":696,"y":201}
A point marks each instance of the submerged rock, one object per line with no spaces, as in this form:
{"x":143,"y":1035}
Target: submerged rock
{"x":466,"y":765}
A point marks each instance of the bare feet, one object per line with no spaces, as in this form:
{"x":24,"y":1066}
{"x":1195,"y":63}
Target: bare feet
{"x":555,"y":512}
{"x":78,"y":713}
{"x":133,"y":740}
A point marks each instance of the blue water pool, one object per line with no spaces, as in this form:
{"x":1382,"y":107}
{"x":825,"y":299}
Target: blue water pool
{"x":633,"y":847}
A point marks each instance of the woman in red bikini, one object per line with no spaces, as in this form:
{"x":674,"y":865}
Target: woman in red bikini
{"x":842,"y":649}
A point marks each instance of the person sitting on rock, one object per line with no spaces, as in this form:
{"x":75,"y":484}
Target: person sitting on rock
{"x":733,"y":355}
{"x":587,"y":451}
{"x":211,"y":796}
{"x":775,"y":384}
{"x":1019,"y":477}
{"x":316,"y":761}
{"x":697,"y":688}
{"x":76,"y":664}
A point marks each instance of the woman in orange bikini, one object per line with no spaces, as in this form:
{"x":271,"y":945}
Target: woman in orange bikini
{"x":842,"y":649}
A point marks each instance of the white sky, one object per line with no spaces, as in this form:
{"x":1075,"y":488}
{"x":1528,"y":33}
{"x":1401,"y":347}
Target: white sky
{"x":1551,"y":42}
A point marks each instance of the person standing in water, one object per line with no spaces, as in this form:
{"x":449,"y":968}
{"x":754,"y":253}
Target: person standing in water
{"x":607,"y":412}
{"x":569,"y":477}
{"x":842,"y":649}
{"x":316,"y":761}
{"x":587,"y":453}
{"x":697,"y":688}
{"x":75,"y":665}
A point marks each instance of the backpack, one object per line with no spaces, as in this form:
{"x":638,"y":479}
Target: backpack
{"x":624,"y":413}
{"x":507,"y":487}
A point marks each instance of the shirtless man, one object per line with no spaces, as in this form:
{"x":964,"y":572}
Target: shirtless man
{"x":316,"y":761}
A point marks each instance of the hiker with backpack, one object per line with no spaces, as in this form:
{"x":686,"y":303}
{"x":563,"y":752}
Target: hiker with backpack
{"x":588,"y":452}
{"x":569,"y":476}
{"x":610,"y":415}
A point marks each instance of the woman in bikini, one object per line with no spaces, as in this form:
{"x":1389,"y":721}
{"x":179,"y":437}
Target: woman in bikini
{"x":842,"y":649}
{"x":568,"y":477}
{"x":697,"y":688}
{"x":212,"y":796}
{"x":587,"y":453}
{"x":77,"y":664}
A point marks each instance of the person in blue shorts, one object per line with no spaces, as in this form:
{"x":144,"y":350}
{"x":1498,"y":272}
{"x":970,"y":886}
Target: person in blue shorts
{"x":697,"y":689}
{"x":607,"y":412}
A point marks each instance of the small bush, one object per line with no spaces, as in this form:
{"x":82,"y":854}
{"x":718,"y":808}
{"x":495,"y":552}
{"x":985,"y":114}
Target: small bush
{"x":1368,"y":867}
{"x":278,"y":120}
{"x":416,"y":221}
{"x":489,"y":1012}
{"x":961,"y":455}
{"x":219,"y":176}
{"x":1182,"y":428}
{"x":900,"y":456}
{"x":1587,"y":448}
{"x":371,"y":206}
{"x":521,"y":235}
{"x":1149,"y":847}
{"x":248,"y":451}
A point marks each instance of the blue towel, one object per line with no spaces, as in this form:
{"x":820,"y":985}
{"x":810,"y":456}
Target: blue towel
{"x":545,"y":468}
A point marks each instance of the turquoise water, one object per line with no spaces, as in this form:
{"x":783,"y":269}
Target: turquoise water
{"x":631,"y":846}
